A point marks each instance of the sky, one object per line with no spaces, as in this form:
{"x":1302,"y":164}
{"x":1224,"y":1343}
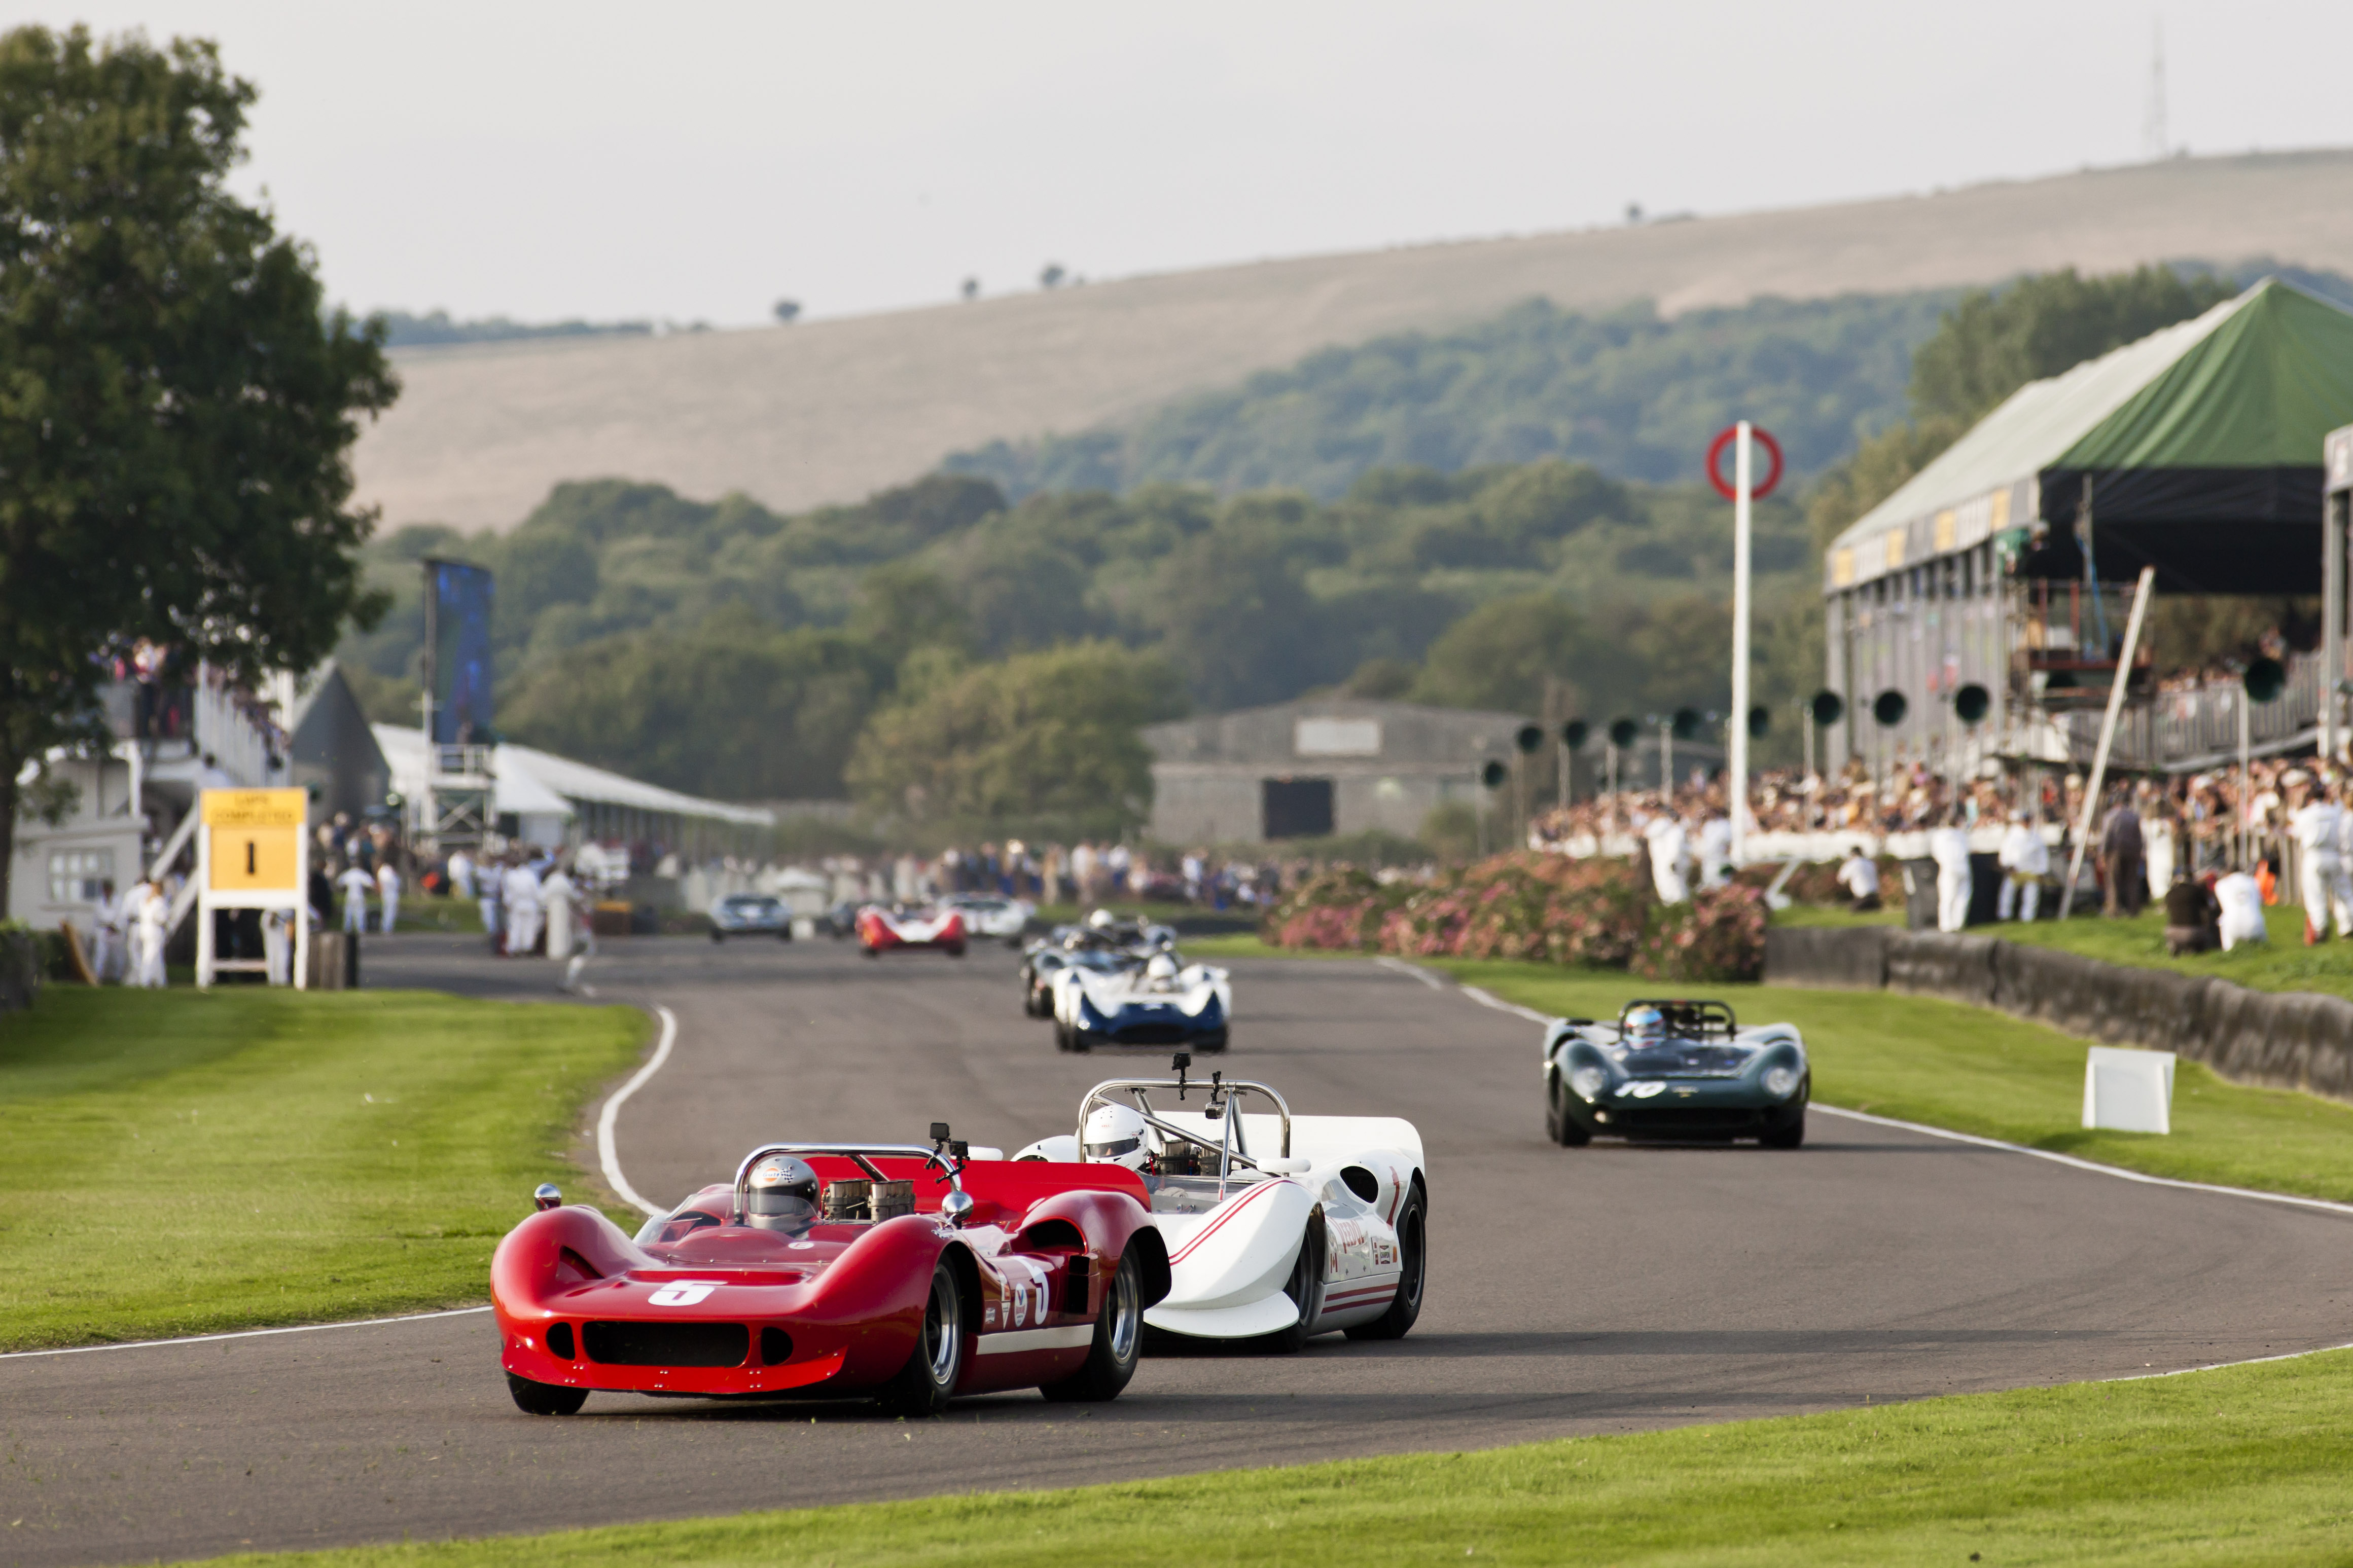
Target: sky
{"x":699,"y":162}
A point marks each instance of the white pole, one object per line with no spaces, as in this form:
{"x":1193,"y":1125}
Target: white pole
{"x":2108,"y":737}
{"x":2246,"y":745}
{"x":1736,"y":795}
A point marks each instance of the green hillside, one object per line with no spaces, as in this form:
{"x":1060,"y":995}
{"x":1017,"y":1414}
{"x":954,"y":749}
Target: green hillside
{"x":1635,"y":395}
{"x":611,"y":592}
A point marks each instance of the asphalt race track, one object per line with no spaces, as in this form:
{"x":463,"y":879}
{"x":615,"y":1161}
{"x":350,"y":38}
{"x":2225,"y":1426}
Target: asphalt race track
{"x":1595,"y":1290}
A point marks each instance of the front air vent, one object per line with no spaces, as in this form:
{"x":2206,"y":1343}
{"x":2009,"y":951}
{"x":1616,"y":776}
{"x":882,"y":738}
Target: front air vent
{"x":1074,"y":1286}
{"x":667,"y":1344}
{"x":776,"y":1346}
{"x":559,"y":1342}
{"x":1362,"y":1183}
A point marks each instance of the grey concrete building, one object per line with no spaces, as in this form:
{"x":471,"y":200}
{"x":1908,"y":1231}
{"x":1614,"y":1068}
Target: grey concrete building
{"x":1320,"y":765}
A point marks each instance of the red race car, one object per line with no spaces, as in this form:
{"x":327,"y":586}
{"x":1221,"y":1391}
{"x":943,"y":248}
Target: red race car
{"x":893,"y":1271}
{"x":900,"y":926}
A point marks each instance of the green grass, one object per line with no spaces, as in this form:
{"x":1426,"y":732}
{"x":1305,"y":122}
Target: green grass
{"x":1976,"y":1070}
{"x":2280,"y":963}
{"x":437,"y":915}
{"x":2240,"y":1466}
{"x":174,"y":1162}
{"x":1838,"y":915}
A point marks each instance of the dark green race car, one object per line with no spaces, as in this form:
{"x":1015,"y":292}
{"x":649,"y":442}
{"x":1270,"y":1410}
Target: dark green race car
{"x":1675,"y":1070}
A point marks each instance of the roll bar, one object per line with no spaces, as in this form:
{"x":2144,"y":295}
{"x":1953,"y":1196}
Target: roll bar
{"x":863,"y":1154}
{"x":1225,"y":1094}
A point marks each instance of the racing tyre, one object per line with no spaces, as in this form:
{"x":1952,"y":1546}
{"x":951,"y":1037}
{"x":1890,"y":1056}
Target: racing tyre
{"x":1305,"y":1289}
{"x":956,"y":950}
{"x":923,"y":1384}
{"x":1789,"y":1137}
{"x":870,"y":953}
{"x":1406,"y":1305}
{"x":1118,"y":1340}
{"x":1559,"y":1125}
{"x":717,"y":937}
{"x":545,"y":1398}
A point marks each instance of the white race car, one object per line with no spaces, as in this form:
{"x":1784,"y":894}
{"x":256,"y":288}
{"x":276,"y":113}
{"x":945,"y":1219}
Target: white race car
{"x":1162,"y":1001}
{"x":1279,"y":1227}
{"x":986,"y":915}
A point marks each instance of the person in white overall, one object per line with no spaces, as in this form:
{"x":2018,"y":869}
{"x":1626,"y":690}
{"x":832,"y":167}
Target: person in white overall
{"x":1669,"y":859}
{"x":388,"y":886}
{"x":2025,"y":861}
{"x":106,"y":955}
{"x":1716,"y":852}
{"x":150,"y":912}
{"x":558,"y":895}
{"x":278,"y":945}
{"x":1949,"y":847}
{"x":521,"y":889}
{"x":356,"y":885}
{"x":2318,"y":826}
{"x":2242,"y":898}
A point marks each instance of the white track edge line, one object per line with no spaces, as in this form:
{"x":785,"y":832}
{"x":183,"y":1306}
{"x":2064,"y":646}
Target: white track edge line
{"x":2093,"y":1165}
{"x":2224,"y":1365}
{"x":606,"y":1155}
{"x":246,"y":1333}
{"x":1399,"y":966}
{"x":1500,"y":1005}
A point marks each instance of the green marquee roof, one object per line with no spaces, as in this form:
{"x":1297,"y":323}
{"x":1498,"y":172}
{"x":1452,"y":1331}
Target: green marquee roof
{"x":2199,"y":443}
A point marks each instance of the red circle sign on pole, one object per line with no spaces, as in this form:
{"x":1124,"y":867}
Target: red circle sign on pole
{"x":1716,"y":449}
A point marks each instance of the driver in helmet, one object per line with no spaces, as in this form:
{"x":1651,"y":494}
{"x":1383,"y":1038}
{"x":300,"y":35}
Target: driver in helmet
{"x":1645,"y":1027}
{"x":783,"y":1195}
{"x":1116,"y":1135}
{"x":1160,"y":972}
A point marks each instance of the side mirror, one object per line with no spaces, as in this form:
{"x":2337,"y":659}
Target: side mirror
{"x":548,"y":1196}
{"x":956,"y":1205}
{"x":1286,"y":1165}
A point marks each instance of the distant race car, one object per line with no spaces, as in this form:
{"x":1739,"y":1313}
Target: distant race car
{"x":896,"y":1271}
{"x":1043,"y":959}
{"x":840,"y":922}
{"x":751,"y":914}
{"x":883,"y":928}
{"x":1675,"y":1070}
{"x":1279,"y":1227}
{"x":1160,"y":1002}
{"x":985,"y":914}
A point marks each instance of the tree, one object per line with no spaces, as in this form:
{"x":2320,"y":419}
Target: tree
{"x":736,"y":709}
{"x":175,"y":407}
{"x":1041,"y":743}
{"x":1050,"y":276}
{"x":1237,"y":619}
{"x":1499,"y":656}
{"x":788,"y":312}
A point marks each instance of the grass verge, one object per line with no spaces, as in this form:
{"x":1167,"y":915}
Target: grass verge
{"x":1977,"y":1070}
{"x":2280,"y":963}
{"x":2243,"y":1465}
{"x":175,"y":1163}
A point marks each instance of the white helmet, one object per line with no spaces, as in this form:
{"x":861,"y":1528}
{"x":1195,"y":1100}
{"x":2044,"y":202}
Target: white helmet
{"x":1161,"y":970}
{"x":784,"y":1195}
{"x":1646,"y":1024}
{"x":1103,"y":919}
{"x":1116,"y":1134}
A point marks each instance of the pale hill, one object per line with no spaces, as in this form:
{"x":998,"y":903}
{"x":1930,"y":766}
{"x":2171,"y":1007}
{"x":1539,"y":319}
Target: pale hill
{"x":829,"y":411}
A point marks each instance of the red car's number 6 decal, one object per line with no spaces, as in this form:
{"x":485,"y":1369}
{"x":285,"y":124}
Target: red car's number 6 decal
{"x":682,"y":1293}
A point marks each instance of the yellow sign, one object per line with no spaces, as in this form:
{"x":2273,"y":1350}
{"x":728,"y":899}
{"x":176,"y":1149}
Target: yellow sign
{"x":255,"y":838}
{"x":256,"y":807}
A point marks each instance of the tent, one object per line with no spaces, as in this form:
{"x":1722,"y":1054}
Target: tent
{"x":2198,"y":448}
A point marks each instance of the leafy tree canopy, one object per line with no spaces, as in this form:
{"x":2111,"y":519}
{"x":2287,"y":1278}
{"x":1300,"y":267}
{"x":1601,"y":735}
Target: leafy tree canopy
{"x":1043,"y":742}
{"x":175,"y":409}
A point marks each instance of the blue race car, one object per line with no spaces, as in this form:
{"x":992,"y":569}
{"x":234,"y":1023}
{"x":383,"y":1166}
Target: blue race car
{"x":1162,"y":1002}
{"x":1682,"y":1070}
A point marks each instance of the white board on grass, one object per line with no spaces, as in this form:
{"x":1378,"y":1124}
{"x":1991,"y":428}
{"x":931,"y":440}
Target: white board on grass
{"x":2129,"y":1092}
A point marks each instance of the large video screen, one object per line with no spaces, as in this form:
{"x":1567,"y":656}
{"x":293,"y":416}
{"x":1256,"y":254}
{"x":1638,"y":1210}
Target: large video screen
{"x":458,"y":605}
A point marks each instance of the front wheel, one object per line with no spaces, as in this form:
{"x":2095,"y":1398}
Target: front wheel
{"x":1118,"y":1338}
{"x":545,"y":1399}
{"x":1406,"y":1305}
{"x":1789,"y":1137}
{"x":717,"y":938}
{"x":956,"y":950}
{"x":936,"y":1360}
{"x":1305,"y":1289}
{"x":1560,"y":1126}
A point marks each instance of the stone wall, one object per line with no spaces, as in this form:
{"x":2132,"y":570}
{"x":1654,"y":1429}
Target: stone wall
{"x":2283,"y":1040}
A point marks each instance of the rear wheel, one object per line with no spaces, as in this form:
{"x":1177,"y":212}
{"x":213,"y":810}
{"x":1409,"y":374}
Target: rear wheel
{"x":545,"y":1399}
{"x":1118,"y":1338}
{"x":1789,"y":1137}
{"x":717,"y":937}
{"x":1559,"y":1125}
{"x":956,"y":950}
{"x":936,"y":1362}
{"x":1406,"y":1305}
{"x":1305,"y":1289}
